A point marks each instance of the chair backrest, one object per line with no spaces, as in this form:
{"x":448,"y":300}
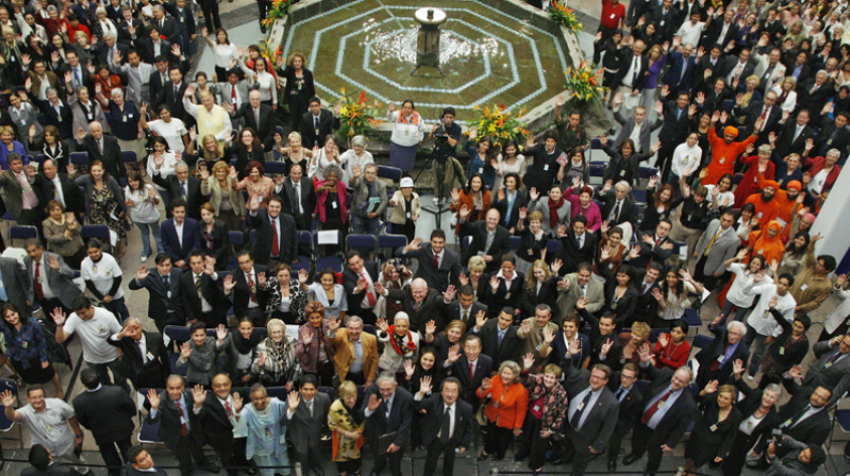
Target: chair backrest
{"x":79,"y":158}
{"x":553,"y":247}
{"x":392,"y":173}
{"x":39,"y":158}
{"x":596,"y":144}
{"x":647,"y":172}
{"x":279,"y":392}
{"x":515,"y":242}
{"x":392,"y":241}
{"x":275,"y":168}
{"x":94,"y":231}
{"x":327,"y":235}
{"x":178,"y":333}
{"x":368,"y":242}
{"x":702,"y":341}
{"x":328,"y":391}
{"x":23,"y":232}
{"x":12,"y":386}
{"x":237,"y":238}
{"x":129,"y":156}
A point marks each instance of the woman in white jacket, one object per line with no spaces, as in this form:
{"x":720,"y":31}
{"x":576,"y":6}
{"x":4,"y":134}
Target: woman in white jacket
{"x":163,"y":163}
{"x":399,"y":343}
{"x":786,"y":96}
{"x":408,"y":130}
{"x":686,"y":159}
{"x":836,"y":322}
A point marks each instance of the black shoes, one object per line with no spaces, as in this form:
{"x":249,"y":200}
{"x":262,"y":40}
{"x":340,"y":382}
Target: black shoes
{"x":630,"y":458}
{"x":612,"y":466}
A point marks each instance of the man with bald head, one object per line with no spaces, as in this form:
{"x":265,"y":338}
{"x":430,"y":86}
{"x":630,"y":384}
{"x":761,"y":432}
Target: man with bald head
{"x":489,"y":239}
{"x":422,"y":304}
{"x":219,"y":416}
{"x":144,"y":357}
{"x":181,"y":184}
{"x":103,"y":148}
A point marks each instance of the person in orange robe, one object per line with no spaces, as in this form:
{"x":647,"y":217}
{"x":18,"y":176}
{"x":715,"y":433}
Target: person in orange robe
{"x":789,"y":203}
{"x":768,"y":242}
{"x":767,"y":207}
{"x":725,"y":151}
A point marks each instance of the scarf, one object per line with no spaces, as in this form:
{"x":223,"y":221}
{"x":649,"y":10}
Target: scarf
{"x":414,"y":118}
{"x":398,"y":342}
{"x":277,"y":352}
{"x":553,"y":212}
{"x":245,"y":346}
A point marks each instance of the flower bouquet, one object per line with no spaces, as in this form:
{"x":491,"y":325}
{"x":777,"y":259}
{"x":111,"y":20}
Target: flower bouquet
{"x":499,"y":124}
{"x":585,"y":84}
{"x":565,"y":17}
{"x":279,"y":9}
{"x":358,"y":115}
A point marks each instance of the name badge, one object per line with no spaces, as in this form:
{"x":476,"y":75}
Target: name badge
{"x":721,"y":358}
{"x":662,"y":22}
{"x":12,"y":59}
{"x":713,"y":428}
{"x":209,"y":123}
{"x":661,"y":405}
{"x":94,"y":269}
{"x":536,"y":408}
{"x":26,"y":344}
{"x":407,"y":215}
{"x":150,"y":356}
{"x":334,"y":205}
{"x":130,"y":116}
{"x":722,"y":160}
{"x":755,"y":179}
{"x":782,"y":351}
{"x":480,"y":170}
{"x":546,"y":168}
{"x":581,"y":406}
{"x":613,"y":16}
{"x":90,"y":116}
{"x":124,"y":118}
{"x":804,"y":287}
{"x":622,"y":173}
{"x":507,"y":295}
{"x":59,"y":118}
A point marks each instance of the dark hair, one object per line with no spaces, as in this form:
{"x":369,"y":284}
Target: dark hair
{"x":748,"y":207}
{"x":792,"y":246}
{"x":274,"y":198}
{"x":581,"y":219}
{"x":80,"y":302}
{"x":681,"y":325}
{"x":438,"y":233}
{"x":90,"y":378}
{"x":467,"y":290}
{"x":516,"y":179}
{"x":161,"y":257}
{"x":133,"y":453}
{"x":584,"y":266}
{"x":506,"y":309}
{"x":657,"y":196}
{"x":449,"y":110}
{"x":628,"y":271}
{"x":351,"y":254}
{"x":195,"y":252}
{"x":666,"y":220}
{"x":788,"y":276}
{"x":468,"y":188}
{"x":254,"y":165}
{"x":412,"y":105}
{"x":256,"y":144}
{"x":453,"y":380}
{"x":39,"y":457}
{"x":724,"y":176}
{"x":327,"y":270}
{"x":628,"y":142}
{"x":680,"y":284}
{"x":160,"y":59}
{"x":508,"y":258}
{"x":828,"y":262}
{"x":805,"y":320}
{"x":135,"y":176}
{"x":472,"y":337}
{"x":176,"y":203}
{"x":308,"y":378}
{"x":161,"y":140}
{"x":21,"y":317}
{"x":94,"y":243}
{"x":197,"y":325}
{"x":818,"y":455}
{"x":316,"y":100}
{"x":602,"y":368}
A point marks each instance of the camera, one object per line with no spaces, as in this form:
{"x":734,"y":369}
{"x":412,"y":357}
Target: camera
{"x":777,"y":438}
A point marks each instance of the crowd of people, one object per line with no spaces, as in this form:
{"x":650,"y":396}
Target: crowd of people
{"x":561,"y":321}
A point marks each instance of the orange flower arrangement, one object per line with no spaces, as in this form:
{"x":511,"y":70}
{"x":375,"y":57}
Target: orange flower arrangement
{"x":565,"y":17}
{"x":280,"y":8}
{"x":357,"y":115}
{"x":499,"y":124}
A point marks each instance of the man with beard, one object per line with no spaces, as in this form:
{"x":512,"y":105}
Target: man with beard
{"x":787,"y":202}
{"x":767,"y":208}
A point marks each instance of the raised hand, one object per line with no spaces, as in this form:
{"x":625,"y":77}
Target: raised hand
{"x":450,"y":293}
{"x":525,"y":326}
{"x":711,"y":387}
{"x":534,"y":194}
{"x":142,"y":273}
{"x":293,"y":400}
{"x":717,"y":320}
{"x":382,"y":324}
{"x":229,"y":283}
{"x":409,"y":368}
{"x":261,"y":279}
{"x":464,"y":211}
{"x":153,"y":399}
{"x":485,"y":383}
{"x":463,"y":279}
{"x":306,"y":336}
{"x":425,"y":385}
{"x":494,"y":282}
{"x":480,"y":319}
{"x":454,"y":353}
{"x":738,"y":368}
{"x":606,"y":347}
{"x":333,"y":324}
{"x":549,"y":336}
{"x":430,"y":328}
{"x":644,"y":352}
{"x":199,"y":394}
{"x":221,"y":332}
{"x":58,"y":316}
{"x":664,"y":339}
{"x":657,"y":294}
{"x":8,"y":399}
{"x":374,"y":403}
{"x":53,"y":262}
{"x":582,"y":302}
{"x":303,"y":276}
{"x":261,"y":359}
{"x":185,"y":351}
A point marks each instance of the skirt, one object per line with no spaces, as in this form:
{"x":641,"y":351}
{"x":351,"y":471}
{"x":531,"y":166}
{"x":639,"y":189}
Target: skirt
{"x":402,"y":157}
{"x":34,"y":375}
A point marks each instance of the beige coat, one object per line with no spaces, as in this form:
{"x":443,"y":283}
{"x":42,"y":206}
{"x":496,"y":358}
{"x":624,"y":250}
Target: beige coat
{"x":399,"y":212}
{"x":56,"y":240}
{"x":212,"y":188}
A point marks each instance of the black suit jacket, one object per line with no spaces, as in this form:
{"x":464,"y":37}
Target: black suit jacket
{"x":431,"y":422}
{"x":308,"y":197}
{"x":160,"y":307}
{"x":511,"y":348}
{"x":572,"y":255}
{"x":675,"y":129}
{"x":175,"y":103}
{"x":327,"y":124}
{"x":647,"y":254}
{"x":304,"y":431}
{"x":218,"y":431}
{"x":815,"y":429}
{"x":502,"y":297}
{"x":156,"y":83}
{"x":753,"y":111}
{"x":600,"y":422}
{"x":151,"y":374}
{"x":398,"y":421}
{"x":194,"y":198}
{"x":103,"y":51}
{"x":107,"y":412}
{"x":631,"y":407}
{"x":440,"y":279}
{"x":673,"y":425}
{"x":454,"y":312}
{"x":169,"y":416}
{"x":261,"y":250}
{"x":626,"y":58}
{"x":240,"y":293}
{"x":786,"y":144}
{"x":52,"y":118}
{"x":646,"y":305}
{"x":478,"y":231}
{"x":502,"y":206}
{"x":45,"y":190}
{"x":170,"y":29}
{"x":460,"y":371}
{"x":266,"y":131}
{"x":813,"y":102}
{"x":111,"y":156}
{"x":192,"y":303}
{"x":124,"y":36}
{"x":627,"y":209}
{"x":713,"y":35}
{"x":824,"y":140}
{"x":433,"y":307}
{"x":349,"y":281}
{"x":709,"y":355}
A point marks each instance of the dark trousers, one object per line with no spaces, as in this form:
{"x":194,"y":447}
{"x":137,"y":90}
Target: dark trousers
{"x":103,"y":373}
{"x":665,"y":160}
{"x":311,"y":459}
{"x":382,"y":460}
{"x":119,"y":308}
{"x":435,"y":449}
{"x":214,"y":318}
{"x":111,"y":456}
{"x":48,"y":306}
{"x":533,"y":444}
{"x":640,"y":445}
{"x":186,"y":449}
{"x":257,"y":315}
{"x":211,"y":18}
{"x":581,"y":454}
{"x":708,"y":280}
{"x":497,"y":440}
{"x":265,"y":6}
{"x":616,"y":440}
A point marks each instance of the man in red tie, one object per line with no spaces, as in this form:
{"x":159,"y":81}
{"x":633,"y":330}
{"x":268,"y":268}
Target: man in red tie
{"x":217,"y":413}
{"x":52,"y":279}
{"x":359,"y":281}
{"x":470,"y":367}
{"x":668,"y":409}
{"x":276,"y":240}
{"x":179,"y":426}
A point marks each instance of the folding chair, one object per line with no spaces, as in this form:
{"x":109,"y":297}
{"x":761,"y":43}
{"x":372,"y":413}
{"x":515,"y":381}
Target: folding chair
{"x":6,"y":425}
{"x":101,"y":232}
{"x":275,"y":168}
{"x":23,"y":232}
{"x":79,"y":158}
{"x":393,"y":242}
{"x":129,"y":156}
{"x":148,"y":433}
{"x":553,"y":247}
{"x":363,"y":243}
{"x":334,"y":262}
{"x":279,"y":392}
{"x":515,"y":243}
{"x":305,"y":251}
{"x":702,"y":341}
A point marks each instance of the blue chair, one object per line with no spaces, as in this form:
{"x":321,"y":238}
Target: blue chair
{"x":305,"y":244}
{"x":640,"y":196}
{"x":393,"y":242}
{"x":328,"y":391}
{"x":654,"y":333}
{"x":23,"y":232}
{"x":237,"y":238}
{"x":692,"y":318}
{"x":365,"y":243}
{"x":275,"y":168}
{"x":8,"y":216}
{"x":129,"y":156}
{"x":465,"y":243}
{"x":172,"y":358}
{"x":279,"y":392}
{"x":79,"y":158}
{"x":5,"y":423}
{"x":39,"y":158}
{"x":148,"y":433}
{"x":369,"y":328}
{"x":727,"y":104}
{"x":178,"y":333}
{"x":515,"y":242}
{"x":279,"y":130}
{"x":327,"y":261}
{"x":95,"y":231}
{"x":702,"y":341}
{"x":647,"y":172}
{"x":553,"y":247}
{"x":392,"y":173}
{"x":737,"y":178}
{"x":41,"y":119}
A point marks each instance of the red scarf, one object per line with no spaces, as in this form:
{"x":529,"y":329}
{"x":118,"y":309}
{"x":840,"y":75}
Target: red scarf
{"x":398,"y":342}
{"x":553,"y":212}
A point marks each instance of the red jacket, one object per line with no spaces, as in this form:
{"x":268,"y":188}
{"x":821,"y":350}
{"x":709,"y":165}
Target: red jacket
{"x":816,"y":165}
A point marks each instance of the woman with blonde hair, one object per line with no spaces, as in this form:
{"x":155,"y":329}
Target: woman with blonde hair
{"x":749,"y":91}
{"x":506,"y":409}
{"x":532,"y":241}
{"x":62,"y":233}
{"x":632,"y":341}
{"x":299,"y":86}
{"x":715,"y":430}
{"x":295,"y":153}
{"x":228,"y":203}
{"x":541,"y":287}
{"x":211,"y":150}
{"x":347,"y":425}
{"x":786,"y":94}
{"x":275,"y":362}
{"x":476,"y":267}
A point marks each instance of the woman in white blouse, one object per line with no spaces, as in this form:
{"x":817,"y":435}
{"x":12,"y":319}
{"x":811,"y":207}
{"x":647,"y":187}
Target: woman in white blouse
{"x":266,"y":83}
{"x":327,"y":292}
{"x":356,"y":156}
{"x":226,"y":56}
{"x":169,"y":128}
{"x":786,"y":96}
{"x":507,"y":162}
{"x":323,"y":158}
{"x":104,"y":26}
{"x":162,"y":162}
{"x":408,"y":130}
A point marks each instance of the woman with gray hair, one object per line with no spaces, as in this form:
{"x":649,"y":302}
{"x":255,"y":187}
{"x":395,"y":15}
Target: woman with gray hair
{"x":103,"y":26}
{"x":332,"y":195}
{"x":399,"y":344}
{"x":758,"y":417}
{"x":84,"y":109}
{"x":356,"y":156}
{"x":275,"y":362}
{"x":126,"y":126}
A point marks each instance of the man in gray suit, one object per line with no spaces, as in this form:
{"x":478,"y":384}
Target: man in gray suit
{"x":226,"y":90}
{"x":831,"y":370}
{"x":717,"y":244}
{"x":577,"y":285}
{"x":306,"y":416}
{"x":21,"y":200}
{"x":592,"y":413}
{"x":16,"y":286}
{"x":365,"y":186}
{"x":52,"y":282}
{"x":638,"y":120}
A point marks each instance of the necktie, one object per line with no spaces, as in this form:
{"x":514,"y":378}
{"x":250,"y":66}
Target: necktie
{"x":257,"y":117}
{"x":711,"y":243}
{"x":167,"y":286}
{"x":184,"y":428}
{"x":764,"y":118}
{"x":584,"y":290}
{"x":198,"y":286}
{"x":437,"y":262}
{"x":77,"y":76}
{"x":716,"y":364}
{"x":789,"y":423}
{"x":615,"y":214}
{"x":647,"y":415}
{"x":176,"y":91}
{"x":228,"y":409}
{"x":100,"y":146}
{"x":310,"y":408}
{"x":619,"y":393}
{"x":834,"y":358}
{"x":275,"y":240}
{"x":471,"y":371}
{"x":465,"y":316}
{"x":233,"y":95}
{"x":501,"y":336}
{"x":576,"y":419}
{"x":251,"y":291}
{"x":446,"y":428}
{"x":370,"y":295}
{"x":300,"y":210}
{"x":815,"y":88}
{"x":684,"y":69}
{"x":316,"y":124}
{"x":636,"y":69}
{"x":643,"y":288}
{"x":39,"y":291}
{"x":183,"y":189}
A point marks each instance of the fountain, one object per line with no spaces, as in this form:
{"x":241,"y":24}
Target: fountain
{"x":428,"y":43}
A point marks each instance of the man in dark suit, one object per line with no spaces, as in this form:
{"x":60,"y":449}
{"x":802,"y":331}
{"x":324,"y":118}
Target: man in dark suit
{"x":103,"y":148}
{"x":299,"y":197}
{"x":167,"y":26}
{"x":106,"y":411}
{"x":798,"y":67}
{"x":241,"y":286}
{"x":276,"y":240}
{"x":141,"y":463}
{"x":469,"y":367}
{"x":202,"y":299}
{"x":602,"y":334}
{"x":389,"y":413}
{"x":813,"y":94}
{"x":794,"y":134}
{"x":488,"y":237}
{"x":130,"y":29}
{"x":465,"y":308}
{"x":632,"y":75}
{"x":543,"y":171}
{"x":667,"y":411}
{"x":164,"y":304}
{"x":592,"y":413}
{"x":180,"y":428}
{"x":772,"y":115}
{"x":654,"y":246}
{"x":180,"y":235}
{"x":831,"y":370}
{"x":48,"y":270}
{"x":674,"y":131}
{"x":666,"y":19}
{"x":172,"y":93}
{"x":499,"y":339}
{"x":721,"y":33}
{"x":617,"y":207}
{"x":305,"y":418}
{"x":645,"y":282}
{"x":715,"y":360}
{"x":218,"y":414}
{"x":16,"y":285}
{"x":740,"y":67}
{"x":422,"y":304}
{"x":833,"y":135}
{"x":578,"y":246}
{"x":446,"y":427}
{"x":107,"y":50}
{"x":182,"y":185}
{"x":50,"y":185}
{"x":713,"y":94}
{"x":359,"y":280}
{"x":318,"y":123}
{"x":158,"y":77}
{"x":254,"y":110}
{"x":144,"y":357}
{"x":680,"y":73}
{"x":438,"y":265}
{"x":710,"y":68}
{"x":43,"y":464}
{"x":622,"y":384}
{"x":806,"y":416}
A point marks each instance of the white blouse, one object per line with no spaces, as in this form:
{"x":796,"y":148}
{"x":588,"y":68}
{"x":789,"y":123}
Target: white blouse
{"x":224,"y":56}
{"x":349,"y":160}
{"x":519,"y":167}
